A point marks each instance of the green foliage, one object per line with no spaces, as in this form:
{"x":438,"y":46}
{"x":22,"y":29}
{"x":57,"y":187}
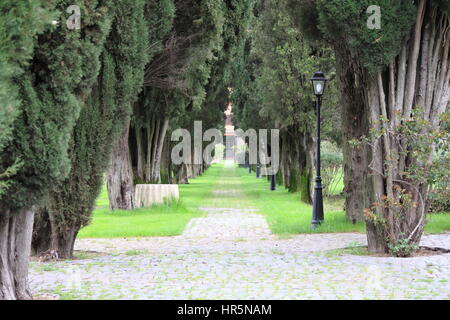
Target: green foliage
{"x":188,"y":79}
{"x":305,"y":16}
{"x":443,"y":4}
{"x":440,"y":199}
{"x":122,"y":59}
{"x":281,"y":63}
{"x":402,"y":248}
{"x":332,"y":168}
{"x":20,"y":24}
{"x":344,"y":23}
{"x":429,"y":166}
{"x":272,"y":72}
{"x":440,"y":169}
{"x":192,"y":67}
{"x":237,"y":18}
{"x":331,"y":155}
{"x":272,"y":87}
{"x":160,"y":15}
{"x":60,"y":69}
{"x":203,"y":21}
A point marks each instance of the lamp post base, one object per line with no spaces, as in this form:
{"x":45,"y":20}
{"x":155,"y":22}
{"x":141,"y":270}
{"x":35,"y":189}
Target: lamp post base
{"x":318,"y":216}
{"x":273,"y":183}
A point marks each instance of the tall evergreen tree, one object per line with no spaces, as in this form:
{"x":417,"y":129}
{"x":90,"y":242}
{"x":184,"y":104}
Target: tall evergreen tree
{"x":273,"y":89}
{"x":105,"y":114}
{"x":48,"y":93}
{"x":186,"y":81}
{"x":389,"y":74}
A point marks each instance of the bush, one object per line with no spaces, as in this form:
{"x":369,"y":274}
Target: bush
{"x":440,"y":201}
{"x":440,"y":194}
{"x":331,"y":162}
{"x":402,"y":248}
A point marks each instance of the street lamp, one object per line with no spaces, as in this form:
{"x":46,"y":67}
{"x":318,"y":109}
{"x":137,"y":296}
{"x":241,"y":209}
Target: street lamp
{"x":319,"y":83}
{"x":273,"y":182}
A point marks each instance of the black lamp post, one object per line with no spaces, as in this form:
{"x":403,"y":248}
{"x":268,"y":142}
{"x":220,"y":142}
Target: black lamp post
{"x":273,"y":182}
{"x":258,"y":171}
{"x":319,"y":83}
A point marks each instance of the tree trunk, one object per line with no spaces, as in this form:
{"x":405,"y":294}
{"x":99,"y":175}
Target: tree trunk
{"x":286,"y":160}
{"x":180,"y":172}
{"x":156,"y":166}
{"x":42,"y":232}
{"x":140,"y":154}
{"x":376,"y":238}
{"x":305,"y":185}
{"x":120,"y":175}
{"x":153,"y":150}
{"x":354,"y":126}
{"x":150,"y":137}
{"x":47,"y":237}
{"x":392,"y":94}
{"x":16,"y":229}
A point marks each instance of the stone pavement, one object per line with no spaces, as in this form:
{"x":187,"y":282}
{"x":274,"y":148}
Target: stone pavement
{"x":231,"y":254}
{"x":232,"y":266}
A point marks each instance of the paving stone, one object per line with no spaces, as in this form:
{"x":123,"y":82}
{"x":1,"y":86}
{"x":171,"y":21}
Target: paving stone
{"x":231,"y":254}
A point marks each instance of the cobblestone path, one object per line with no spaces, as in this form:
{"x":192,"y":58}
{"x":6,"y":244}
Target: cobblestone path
{"x":231,"y":254}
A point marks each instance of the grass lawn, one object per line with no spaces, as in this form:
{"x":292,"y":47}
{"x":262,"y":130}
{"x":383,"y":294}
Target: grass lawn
{"x":438,"y":223}
{"x":286,"y":215}
{"x":162,"y":220}
{"x":227,"y":186}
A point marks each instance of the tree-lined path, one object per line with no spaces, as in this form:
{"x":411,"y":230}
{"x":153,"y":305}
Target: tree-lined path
{"x":230,"y":253}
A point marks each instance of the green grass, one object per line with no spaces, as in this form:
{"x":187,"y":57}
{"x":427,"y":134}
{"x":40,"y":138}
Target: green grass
{"x":355,"y":251}
{"x":226,"y":186}
{"x":437,"y":223}
{"x":338,"y":186}
{"x":287,"y":215}
{"x":162,"y":220}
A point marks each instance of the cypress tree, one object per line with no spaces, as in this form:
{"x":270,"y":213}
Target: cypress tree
{"x":175,"y":84}
{"x":120,"y":174}
{"x":20,"y":24}
{"x":104,"y":117}
{"x":58,"y":72}
{"x":397,"y":78}
{"x":273,"y":90}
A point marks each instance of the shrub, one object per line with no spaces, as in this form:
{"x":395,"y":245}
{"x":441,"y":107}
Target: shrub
{"x":402,"y":248}
{"x":331,"y":162}
{"x":440,"y":201}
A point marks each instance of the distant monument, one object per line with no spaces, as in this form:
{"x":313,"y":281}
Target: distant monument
{"x":230,"y":136}
{"x":233,"y":144}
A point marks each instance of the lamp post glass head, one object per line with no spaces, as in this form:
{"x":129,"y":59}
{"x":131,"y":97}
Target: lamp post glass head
{"x":319,"y":83}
